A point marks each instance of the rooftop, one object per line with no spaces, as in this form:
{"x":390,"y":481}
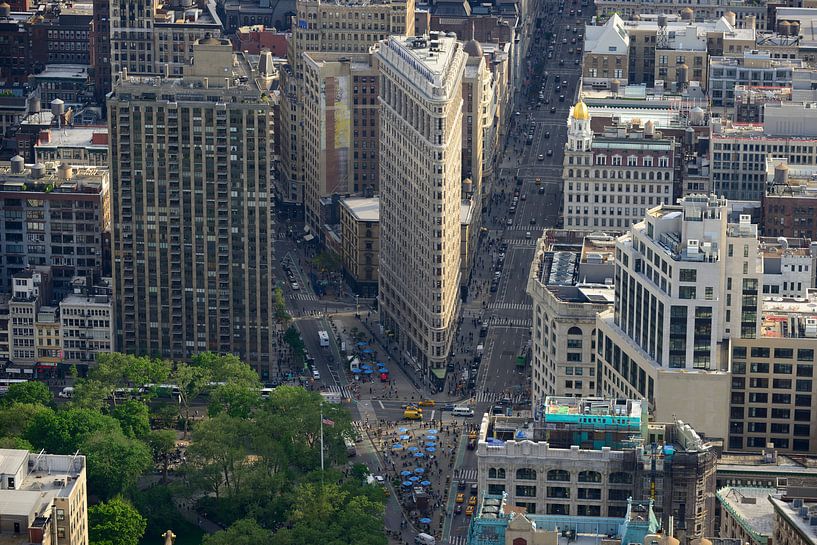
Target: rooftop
{"x":801,"y":515}
{"x":80,"y":136}
{"x":751,"y":508}
{"x":786,"y":317}
{"x":46,"y":476}
{"x":429,"y":55}
{"x":599,"y":411}
{"x":83,"y":179}
{"x":64,"y":71}
{"x":363,"y":209}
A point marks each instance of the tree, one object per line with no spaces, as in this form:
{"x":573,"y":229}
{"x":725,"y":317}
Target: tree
{"x":117,"y":371}
{"x":115,"y":462}
{"x":62,"y":432}
{"x":16,"y":443}
{"x":242,"y":532}
{"x":238,"y":400}
{"x":226,"y":368}
{"x":281,"y":313}
{"x":162,"y":443}
{"x":134,"y":418}
{"x":28,"y":392}
{"x":191,"y":381}
{"x":14,"y":419}
{"x":218,"y":453}
{"x":116,"y":522}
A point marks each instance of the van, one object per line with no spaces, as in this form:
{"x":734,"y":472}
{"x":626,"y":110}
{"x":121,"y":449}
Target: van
{"x":463,"y":411}
{"x":412,"y":414}
{"x":67,"y":392}
{"x":424,"y":539}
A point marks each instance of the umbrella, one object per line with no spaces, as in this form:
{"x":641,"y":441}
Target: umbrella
{"x":414,"y":479}
{"x":431,"y":444}
{"x":420,"y":470}
{"x":412,"y":448}
{"x":407,"y":484}
{"x":432,"y":432}
{"x":431,"y":449}
{"x":367,"y":351}
{"x":425,"y":520}
{"x":431,"y":437}
{"x":419,"y":455}
{"x":356,"y":371}
{"x":405,"y":473}
{"x":397,"y":446}
{"x":367,"y":371}
{"x":381,"y":364}
{"x":404,"y":437}
{"x":383,"y":370}
{"x":425,"y":483}
{"x":365,"y":367}
{"x":362,"y":343}
{"x":403,"y":430}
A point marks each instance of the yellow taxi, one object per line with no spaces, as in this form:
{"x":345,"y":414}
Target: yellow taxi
{"x":412,"y":414}
{"x":472,"y":500}
{"x":469,"y":510}
{"x":460,"y":498}
{"x":472,"y":435}
{"x":426,"y":403}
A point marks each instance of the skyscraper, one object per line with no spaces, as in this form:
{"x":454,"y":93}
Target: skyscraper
{"x":420,"y":185}
{"x":191,"y":168}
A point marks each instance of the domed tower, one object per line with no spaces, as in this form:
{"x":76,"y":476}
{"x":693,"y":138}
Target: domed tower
{"x":579,"y":133}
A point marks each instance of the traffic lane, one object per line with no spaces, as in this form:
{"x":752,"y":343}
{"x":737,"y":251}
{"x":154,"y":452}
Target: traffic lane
{"x":510,"y":342}
{"x":510,"y":291}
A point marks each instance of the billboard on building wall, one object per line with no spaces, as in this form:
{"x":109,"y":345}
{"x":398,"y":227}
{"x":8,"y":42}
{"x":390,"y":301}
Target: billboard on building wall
{"x":338,"y":137}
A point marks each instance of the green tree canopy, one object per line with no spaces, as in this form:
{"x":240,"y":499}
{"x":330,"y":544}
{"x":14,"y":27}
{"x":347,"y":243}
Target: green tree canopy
{"x":234,"y":399}
{"x":242,"y":532}
{"x":28,"y":392}
{"x":15,"y":418}
{"x":162,"y":443}
{"x":115,"y":462}
{"x":116,"y":522}
{"x":117,"y":371}
{"x":133,"y":417}
{"x":62,"y":432}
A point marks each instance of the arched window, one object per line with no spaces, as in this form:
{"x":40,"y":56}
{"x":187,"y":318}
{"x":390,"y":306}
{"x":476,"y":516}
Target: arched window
{"x":589,"y":477}
{"x":496,"y":473}
{"x":520,"y":541}
{"x":526,"y":473}
{"x":619,"y":477}
{"x":558,"y":475}
{"x":492,"y":473}
{"x":574,"y":331}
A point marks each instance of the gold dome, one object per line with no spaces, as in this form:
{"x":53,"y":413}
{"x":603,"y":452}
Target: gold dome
{"x":580,"y":111}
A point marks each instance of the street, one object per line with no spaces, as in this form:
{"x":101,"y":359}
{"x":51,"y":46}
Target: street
{"x":496,"y":315}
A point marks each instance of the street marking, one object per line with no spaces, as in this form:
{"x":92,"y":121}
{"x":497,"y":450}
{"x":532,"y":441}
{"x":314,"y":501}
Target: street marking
{"x":432,"y":414}
{"x":381,"y":404}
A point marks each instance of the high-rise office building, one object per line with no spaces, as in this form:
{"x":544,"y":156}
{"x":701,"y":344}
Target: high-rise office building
{"x":192,"y":165}
{"x":687,"y":279}
{"x":350,"y":27}
{"x":421,"y":188}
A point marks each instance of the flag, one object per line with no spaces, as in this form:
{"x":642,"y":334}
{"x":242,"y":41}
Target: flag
{"x":327,"y":422}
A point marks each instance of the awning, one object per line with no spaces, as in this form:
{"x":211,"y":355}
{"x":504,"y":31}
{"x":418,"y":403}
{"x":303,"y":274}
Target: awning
{"x":46,"y":365}
{"x":13,"y":370}
{"x":439,"y":373}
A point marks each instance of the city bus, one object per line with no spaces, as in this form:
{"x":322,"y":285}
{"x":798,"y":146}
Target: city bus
{"x":323,"y":337}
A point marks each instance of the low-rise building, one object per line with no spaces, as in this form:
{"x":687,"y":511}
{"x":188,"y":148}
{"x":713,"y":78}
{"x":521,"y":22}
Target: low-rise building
{"x":754,"y":68}
{"x":67,"y":82}
{"x":44,"y":498}
{"x":795,"y":521}
{"x":790,"y":201}
{"x":588,"y":457}
{"x":788,"y":266}
{"x":570,"y":282}
{"x":360,"y":242}
{"x":746,"y":514}
{"x":86,"y":324}
{"x":496,"y":522}
{"x":79,"y":146}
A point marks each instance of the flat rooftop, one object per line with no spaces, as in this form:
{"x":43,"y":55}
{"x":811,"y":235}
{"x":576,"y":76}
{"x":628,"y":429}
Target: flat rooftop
{"x":85,"y":179}
{"x":790,"y":317}
{"x":556,"y":407}
{"x":432,"y":53}
{"x":82,"y":136}
{"x":78,"y":72}
{"x":751,"y":507}
{"x":793,"y":515}
{"x":49,"y":476}
{"x":363,"y":209}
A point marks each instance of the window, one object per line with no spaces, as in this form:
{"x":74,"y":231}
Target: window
{"x":589,"y":477}
{"x":525,"y":491}
{"x":689,"y":275}
{"x":558,"y":475}
{"x":496,"y":473}
{"x":619,"y":477}
{"x":686,"y":292}
{"x":526,"y":474}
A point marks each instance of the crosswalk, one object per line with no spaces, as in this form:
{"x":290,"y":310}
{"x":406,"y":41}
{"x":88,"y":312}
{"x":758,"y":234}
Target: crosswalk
{"x":468,"y":475}
{"x":457,"y":540}
{"x":303,"y":296}
{"x":521,"y":241}
{"x":493,"y":397}
{"x":335,"y":389}
{"x":509,"y":306}
{"x":509,"y":322}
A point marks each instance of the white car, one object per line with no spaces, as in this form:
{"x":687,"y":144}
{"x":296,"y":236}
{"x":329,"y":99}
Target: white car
{"x":315,"y":374}
{"x":295,"y":286}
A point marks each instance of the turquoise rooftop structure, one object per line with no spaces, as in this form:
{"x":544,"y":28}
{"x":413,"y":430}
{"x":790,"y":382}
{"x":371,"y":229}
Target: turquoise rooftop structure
{"x":592,"y":422}
{"x":495,"y":518}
